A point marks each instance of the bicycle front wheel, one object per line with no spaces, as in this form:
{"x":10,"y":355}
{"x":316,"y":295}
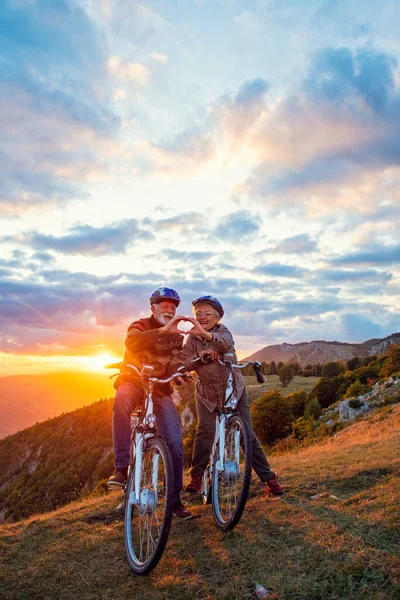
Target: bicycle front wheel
{"x":148,"y":511}
{"x":231,"y":481}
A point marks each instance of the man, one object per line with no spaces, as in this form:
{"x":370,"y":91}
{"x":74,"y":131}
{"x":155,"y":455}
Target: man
{"x":209,"y":336}
{"x":154,"y":341}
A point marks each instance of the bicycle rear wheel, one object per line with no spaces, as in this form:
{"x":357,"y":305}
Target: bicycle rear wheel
{"x":148,"y":514}
{"x":230,"y":486}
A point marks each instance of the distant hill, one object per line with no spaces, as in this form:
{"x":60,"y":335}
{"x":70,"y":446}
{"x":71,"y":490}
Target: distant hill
{"x":29,"y":399}
{"x":56,"y":461}
{"x":318,"y":351}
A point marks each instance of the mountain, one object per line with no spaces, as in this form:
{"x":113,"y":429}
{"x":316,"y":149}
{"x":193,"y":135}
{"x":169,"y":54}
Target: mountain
{"x":28,"y":399}
{"x":318,"y":351}
{"x":56,"y":461}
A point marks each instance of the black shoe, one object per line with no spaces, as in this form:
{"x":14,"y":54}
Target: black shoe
{"x":181,"y":512}
{"x":118,"y":478}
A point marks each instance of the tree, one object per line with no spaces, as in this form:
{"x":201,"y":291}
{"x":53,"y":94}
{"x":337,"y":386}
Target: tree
{"x":297,"y":402}
{"x":297,"y":370}
{"x":353,"y":363}
{"x":273,"y":368}
{"x":368,"y":372}
{"x":266,"y":369}
{"x":325,"y":390}
{"x":312,"y":409}
{"x":392,"y":363}
{"x":286,"y":374}
{"x":356,"y":389}
{"x":332,"y":369}
{"x":272,"y":417}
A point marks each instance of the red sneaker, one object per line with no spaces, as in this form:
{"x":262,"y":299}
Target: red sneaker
{"x":273,"y":487}
{"x":194,"y":485}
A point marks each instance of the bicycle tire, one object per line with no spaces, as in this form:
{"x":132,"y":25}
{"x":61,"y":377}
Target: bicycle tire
{"x":147,"y":523}
{"x":230,"y":487}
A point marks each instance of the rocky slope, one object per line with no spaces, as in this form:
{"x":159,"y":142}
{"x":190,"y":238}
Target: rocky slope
{"x":322,"y":352}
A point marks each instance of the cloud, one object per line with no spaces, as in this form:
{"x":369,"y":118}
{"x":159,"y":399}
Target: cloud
{"x":237,"y":226}
{"x":55,"y":124}
{"x":279,"y":270}
{"x":356,"y":324}
{"x":228,"y":123}
{"x":341,"y":125}
{"x":189,"y":257}
{"x":85,"y":239}
{"x":337,"y":74}
{"x":128,"y":70}
{"x":354,"y":276}
{"x":301,"y":243}
{"x":380,"y":255}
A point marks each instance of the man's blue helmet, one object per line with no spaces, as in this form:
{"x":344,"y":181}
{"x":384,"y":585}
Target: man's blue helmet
{"x":210,"y":300}
{"x":163,"y":294}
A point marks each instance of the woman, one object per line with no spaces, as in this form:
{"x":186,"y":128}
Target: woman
{"x":209,"y":336}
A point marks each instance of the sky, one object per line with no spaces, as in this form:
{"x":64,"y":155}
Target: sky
{"x":244,"y":149}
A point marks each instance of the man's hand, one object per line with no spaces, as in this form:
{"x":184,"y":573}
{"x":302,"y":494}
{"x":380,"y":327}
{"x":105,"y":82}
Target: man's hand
{"x":172,"y":326}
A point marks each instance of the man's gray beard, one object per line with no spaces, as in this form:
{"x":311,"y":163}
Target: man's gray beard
{"x":165,"y":319}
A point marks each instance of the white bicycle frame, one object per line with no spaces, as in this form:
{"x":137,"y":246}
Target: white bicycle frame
{"x":221,"y":420}
{"x":139,"y":436}
{"x":220,"y":428}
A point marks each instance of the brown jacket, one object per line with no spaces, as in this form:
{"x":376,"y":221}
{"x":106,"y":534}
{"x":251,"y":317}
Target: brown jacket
{"x":210,"y":390}
{"x":145,"y":346}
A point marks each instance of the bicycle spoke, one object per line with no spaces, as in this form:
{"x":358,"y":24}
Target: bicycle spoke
{"x":147,"y":525}
{"x":230,"y":486}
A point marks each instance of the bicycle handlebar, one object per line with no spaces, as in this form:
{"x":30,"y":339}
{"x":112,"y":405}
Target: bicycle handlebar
{"x":240,"y":365}
{"x":152,"y":379}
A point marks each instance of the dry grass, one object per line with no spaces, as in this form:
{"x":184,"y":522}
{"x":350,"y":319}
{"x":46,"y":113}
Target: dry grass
{"x":255,"y":390}
{"x":334,"y":536}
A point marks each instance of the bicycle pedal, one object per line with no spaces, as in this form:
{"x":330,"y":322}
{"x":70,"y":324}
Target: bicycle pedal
{"x":114,"y":485}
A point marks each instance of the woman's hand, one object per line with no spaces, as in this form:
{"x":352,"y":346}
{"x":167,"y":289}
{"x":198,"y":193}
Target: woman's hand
{"x":173,"y":326}
{"x":213,"y":354}
{"x":198,"y":329}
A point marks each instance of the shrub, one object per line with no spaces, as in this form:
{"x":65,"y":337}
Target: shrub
{"x":392,"y":363}
{"x":325,"y":390}
{"x":332,"y":369}
{"x":353,"y":363}
{"x":272,"y":417}
{"x":355,"y":403}
{"x":297,"y":401}
{"x":368,"y":372}
{"x":303,"y":428}
{"x":356,"y":389}
{"x":312,"y":409}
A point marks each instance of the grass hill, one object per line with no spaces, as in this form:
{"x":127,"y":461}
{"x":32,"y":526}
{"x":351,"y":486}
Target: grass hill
{"x":29,"y":399}
{"x":333,"y":536}
{"x":58,"y":460}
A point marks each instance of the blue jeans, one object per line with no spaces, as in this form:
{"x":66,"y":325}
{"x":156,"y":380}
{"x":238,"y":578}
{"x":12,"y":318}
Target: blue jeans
{"x":127,"y":397}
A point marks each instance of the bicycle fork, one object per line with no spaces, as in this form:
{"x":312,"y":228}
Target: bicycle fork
{"x":229,"y":463}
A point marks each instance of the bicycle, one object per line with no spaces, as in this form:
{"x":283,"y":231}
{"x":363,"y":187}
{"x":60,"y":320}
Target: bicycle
{"x":148,"y":493}
{"x":226,"y":480}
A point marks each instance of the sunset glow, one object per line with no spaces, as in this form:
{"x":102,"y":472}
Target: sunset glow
{"x":247,"y":150}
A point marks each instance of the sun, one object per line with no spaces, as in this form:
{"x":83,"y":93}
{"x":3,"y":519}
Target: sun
{"x":97,"y":362}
